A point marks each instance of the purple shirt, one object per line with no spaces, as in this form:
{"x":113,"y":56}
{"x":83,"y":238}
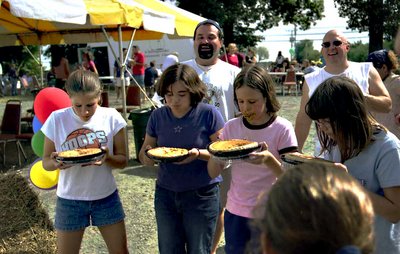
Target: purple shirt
{"x":191,"y":131}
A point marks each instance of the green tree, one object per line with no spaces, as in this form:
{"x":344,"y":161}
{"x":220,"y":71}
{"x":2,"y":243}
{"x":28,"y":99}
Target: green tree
{"x":262,"y":53}
{"x":379,"y":17}
{"x":358,"y":52}
{"x":20,"y":56}
{"x":71,"y":51}
{"x":240,"y":19}
{"x":304,"y":49}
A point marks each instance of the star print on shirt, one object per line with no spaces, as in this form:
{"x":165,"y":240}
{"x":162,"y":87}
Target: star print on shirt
{"x":178,"y":129}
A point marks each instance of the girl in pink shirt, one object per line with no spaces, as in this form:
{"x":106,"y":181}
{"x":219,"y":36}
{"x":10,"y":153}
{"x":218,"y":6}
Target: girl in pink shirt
{"x":255,"y":97}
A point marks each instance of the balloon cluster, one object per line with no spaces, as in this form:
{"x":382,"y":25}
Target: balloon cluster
{"x":47,"y":100}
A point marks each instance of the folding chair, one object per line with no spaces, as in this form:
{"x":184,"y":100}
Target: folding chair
{"x":290,"y":81}
{"x":11,"y":128}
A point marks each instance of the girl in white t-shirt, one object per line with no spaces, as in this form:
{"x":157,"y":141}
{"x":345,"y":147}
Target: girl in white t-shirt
{"x":255,"y":97}
{"x":87,"y":194}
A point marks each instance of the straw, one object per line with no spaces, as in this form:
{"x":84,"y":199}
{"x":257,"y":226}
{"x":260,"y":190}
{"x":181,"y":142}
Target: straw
{"x":25,"y":225}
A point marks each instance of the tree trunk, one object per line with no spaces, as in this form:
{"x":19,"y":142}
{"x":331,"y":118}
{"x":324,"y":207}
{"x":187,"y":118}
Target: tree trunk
{"x":375,"y":25}
{"x":228,"y":33}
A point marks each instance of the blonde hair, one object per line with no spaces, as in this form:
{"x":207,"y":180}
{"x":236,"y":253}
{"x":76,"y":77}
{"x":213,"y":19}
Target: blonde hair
{"x":314,"y":208}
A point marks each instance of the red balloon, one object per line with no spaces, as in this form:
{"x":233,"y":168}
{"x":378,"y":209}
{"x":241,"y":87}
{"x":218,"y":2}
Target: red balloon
{"x":48,"y":100}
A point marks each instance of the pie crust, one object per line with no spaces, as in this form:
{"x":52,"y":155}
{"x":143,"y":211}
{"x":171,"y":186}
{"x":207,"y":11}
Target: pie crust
{"x":232,"y":145}
{"x":301,"y":158}
{"x":80,"y":152}
{"x":167,"y":152}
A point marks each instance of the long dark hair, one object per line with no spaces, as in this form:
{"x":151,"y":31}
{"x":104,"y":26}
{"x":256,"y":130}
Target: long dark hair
{"x":340,"y":100}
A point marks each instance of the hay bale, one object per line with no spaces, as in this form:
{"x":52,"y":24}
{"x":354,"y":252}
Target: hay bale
{"x":25,"y":224}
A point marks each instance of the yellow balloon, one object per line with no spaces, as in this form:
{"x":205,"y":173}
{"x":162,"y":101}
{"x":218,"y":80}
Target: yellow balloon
{"x":42,"y":178}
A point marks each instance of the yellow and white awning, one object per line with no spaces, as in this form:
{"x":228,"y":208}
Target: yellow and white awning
{"x":27,"y":22}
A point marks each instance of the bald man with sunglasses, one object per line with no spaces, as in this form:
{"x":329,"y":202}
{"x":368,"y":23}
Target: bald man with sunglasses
{"x":334,"y":50}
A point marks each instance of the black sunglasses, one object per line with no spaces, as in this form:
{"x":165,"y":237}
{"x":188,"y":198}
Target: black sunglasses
{"x":327,"y":44}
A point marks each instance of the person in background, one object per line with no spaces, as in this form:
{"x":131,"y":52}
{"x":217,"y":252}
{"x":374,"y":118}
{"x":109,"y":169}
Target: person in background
{"x":88,"y":63}
{"x":150,"y":78}
{"x":137,"y":62}
{"x":231,"y":55}
{"x":51,"y":78}
{"x":250,"y":57}
{"x":279,"y":60}
{"x":60,"y":67}
{"x":315,"y":208}
{"x":350,"y":135}
{"x":386,"y":63}
{"x":13,"y":77}
{"x":25,"y":81}
{"x":87,"y":194}
{"x":186,"y":197}
{"x":256,"y":99}
{"x":334,"y":50}
{"x":117,"y":74}
{"x":169,"y":60}
{"x":306,"y":66}
{"x":219,"y":77}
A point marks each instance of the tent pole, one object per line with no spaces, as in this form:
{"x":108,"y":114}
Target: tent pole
{"x":39,"y":62}
{"x":122,"y":67}
{"x":41,"y":66}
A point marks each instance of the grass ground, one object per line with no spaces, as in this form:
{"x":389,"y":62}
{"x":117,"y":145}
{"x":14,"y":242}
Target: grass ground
{"x":136,"y":187}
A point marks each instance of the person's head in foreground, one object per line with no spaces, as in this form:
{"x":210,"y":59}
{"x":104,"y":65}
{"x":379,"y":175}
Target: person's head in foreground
{"x":314,"y":209}
{"x":339,"y":109}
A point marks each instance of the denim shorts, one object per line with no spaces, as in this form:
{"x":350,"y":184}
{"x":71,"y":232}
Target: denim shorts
{"x":73,"y":215}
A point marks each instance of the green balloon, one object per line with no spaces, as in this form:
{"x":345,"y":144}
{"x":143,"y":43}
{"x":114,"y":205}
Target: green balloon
{"x":37,"y":143}
{"x":291,"y":51}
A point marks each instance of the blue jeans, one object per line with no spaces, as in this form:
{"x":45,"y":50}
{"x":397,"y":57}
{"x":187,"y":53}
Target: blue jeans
{"x":240,"y":235}
{"x":186,"y":220}
{"x":139,"y":79}
{"x":14,"y":90}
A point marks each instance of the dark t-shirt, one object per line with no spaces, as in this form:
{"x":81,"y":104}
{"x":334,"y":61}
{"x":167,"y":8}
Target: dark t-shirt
{"x":150,"y":75}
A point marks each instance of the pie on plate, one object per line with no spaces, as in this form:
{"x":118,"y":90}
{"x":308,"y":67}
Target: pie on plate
{"x":167,"y":154}
{"x":80,"y":155}
{"x":298,"y":158}
{"x":232,"y":148}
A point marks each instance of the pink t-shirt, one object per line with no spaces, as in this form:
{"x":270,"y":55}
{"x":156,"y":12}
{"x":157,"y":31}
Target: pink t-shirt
{"x":232,"y":59}
{"x":249,"y":180}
